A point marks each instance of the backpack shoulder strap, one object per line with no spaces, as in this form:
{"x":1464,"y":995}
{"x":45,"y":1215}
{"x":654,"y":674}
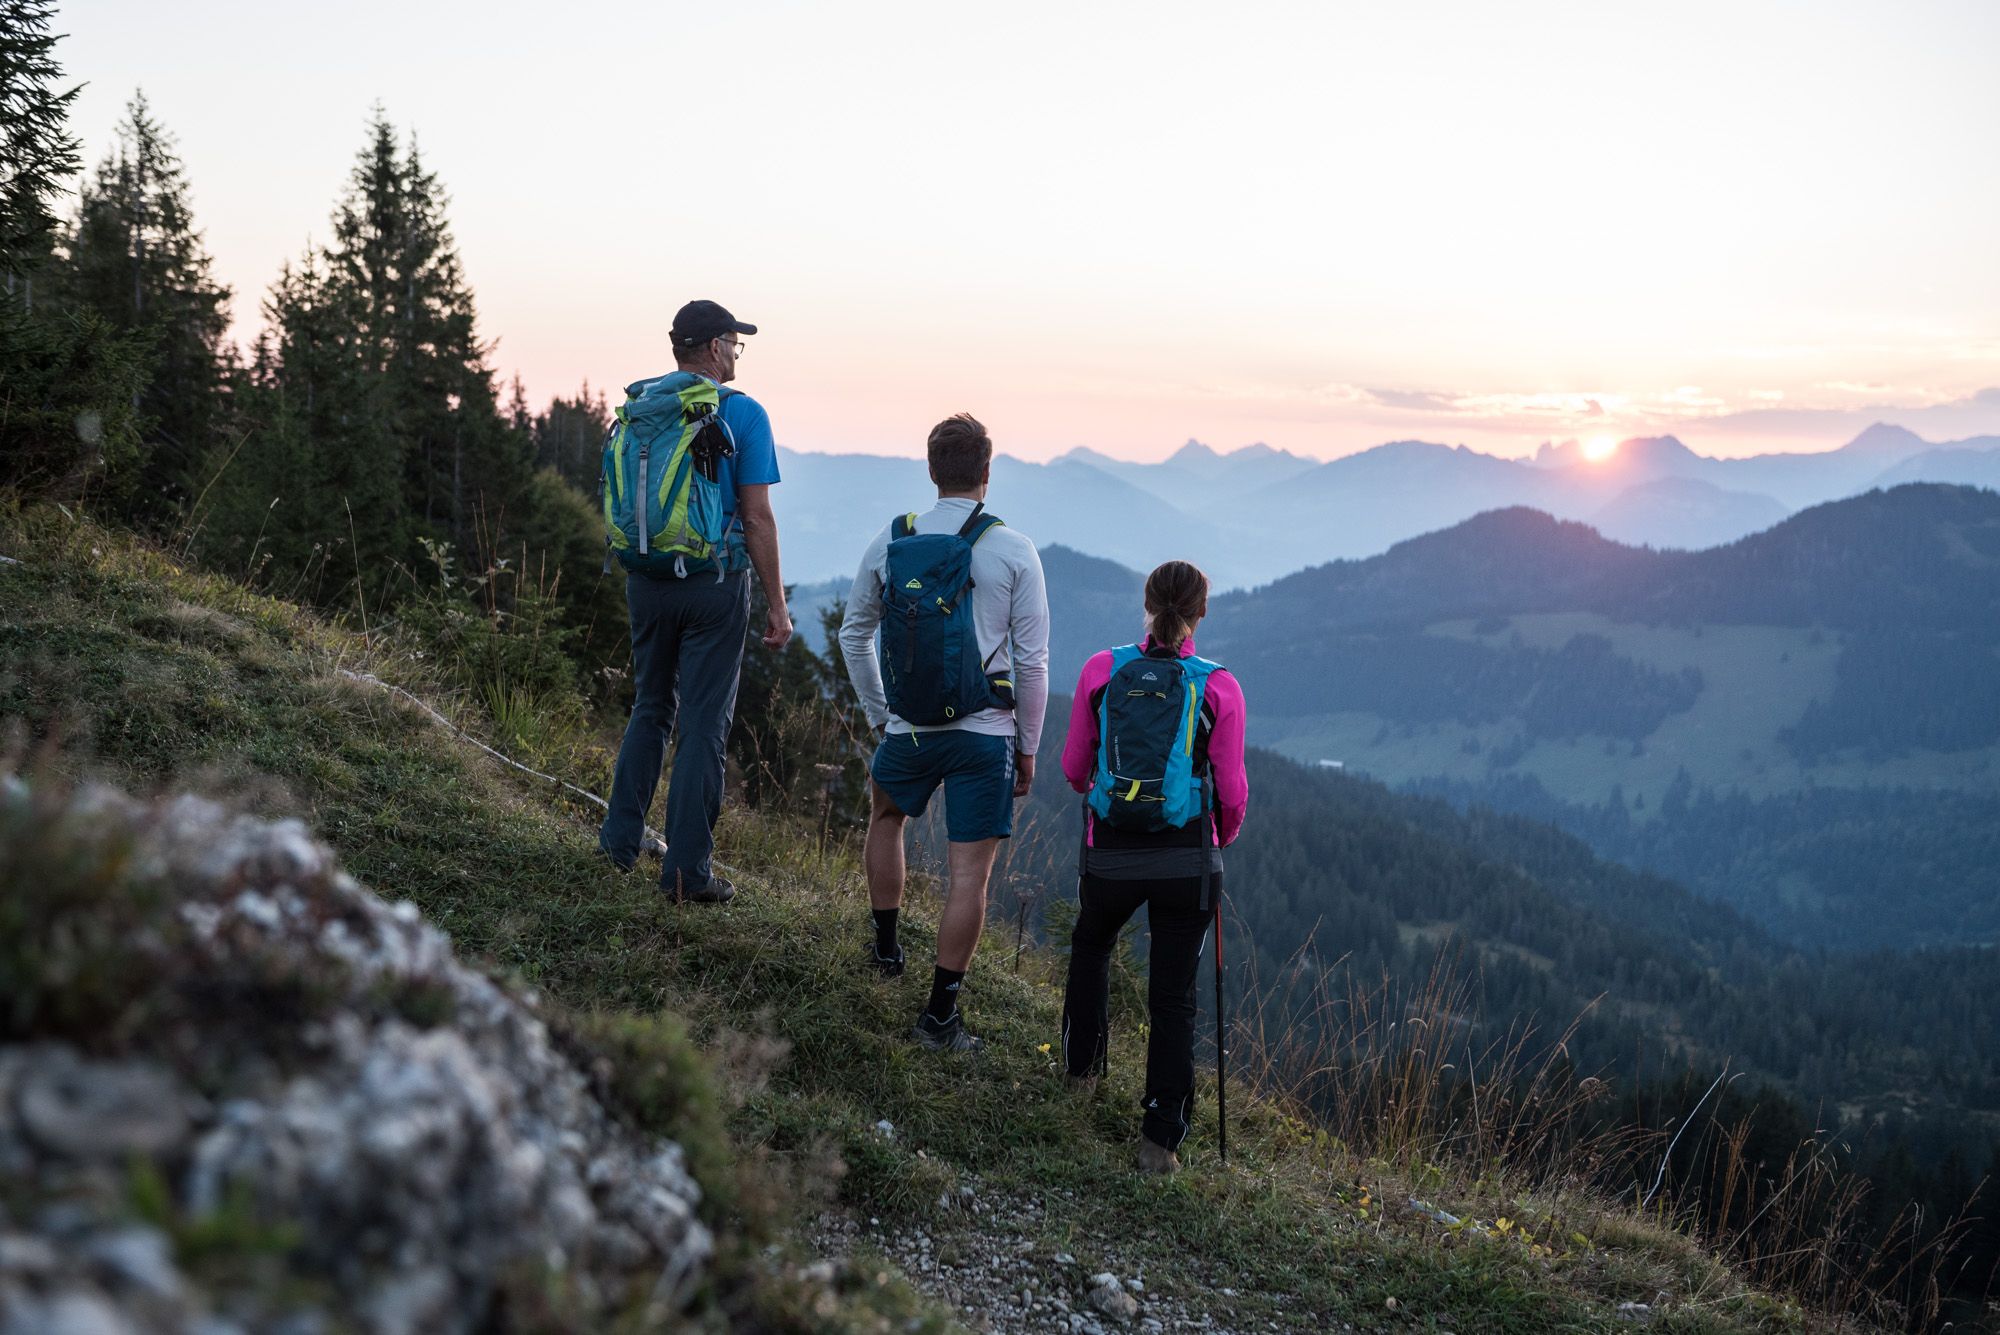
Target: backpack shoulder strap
{"x":986,"y":524}
{"x":1199,"y":670}
{"x":903,"y":526}
{"x":972,"y":521}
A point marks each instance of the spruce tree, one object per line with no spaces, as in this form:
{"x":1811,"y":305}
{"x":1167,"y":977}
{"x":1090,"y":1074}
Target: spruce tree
{"x":67,"y":384}
{"x":38,"y":154}
{"x":374,"y":422}
{"x":569,"y":437}
{"x":281,"y":494}
{"x":135,"y":258}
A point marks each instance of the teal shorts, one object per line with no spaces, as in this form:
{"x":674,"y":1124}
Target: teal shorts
{"x":977,"y":771}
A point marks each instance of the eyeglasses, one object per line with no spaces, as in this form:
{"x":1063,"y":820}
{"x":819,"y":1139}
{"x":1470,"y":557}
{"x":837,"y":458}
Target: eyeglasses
{"x":735,"y":347}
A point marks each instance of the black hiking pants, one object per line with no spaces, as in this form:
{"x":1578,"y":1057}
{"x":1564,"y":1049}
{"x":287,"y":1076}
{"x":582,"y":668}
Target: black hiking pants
{"x":1179,"y":929}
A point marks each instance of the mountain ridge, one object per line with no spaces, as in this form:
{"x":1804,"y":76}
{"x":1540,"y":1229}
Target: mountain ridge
{"x":1254,"y":514}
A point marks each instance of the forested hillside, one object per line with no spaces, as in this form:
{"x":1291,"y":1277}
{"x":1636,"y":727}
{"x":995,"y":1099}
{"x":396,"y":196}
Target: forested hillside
{"x":1804,"y":724}
{"x":1339,"y":884}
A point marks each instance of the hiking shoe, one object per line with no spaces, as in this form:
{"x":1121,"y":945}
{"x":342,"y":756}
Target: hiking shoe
{"x":652,"y":846}
{"x":888,"y":966}
{"x":944,"y":1035}
{"x":717,"y":891}
{"x":1157,"y":1160}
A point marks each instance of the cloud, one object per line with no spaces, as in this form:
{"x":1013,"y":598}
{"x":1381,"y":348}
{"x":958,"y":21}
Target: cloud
{"x":1725,"y":423}
{"x":1418,"y":400}
{"x":1977,"y":414}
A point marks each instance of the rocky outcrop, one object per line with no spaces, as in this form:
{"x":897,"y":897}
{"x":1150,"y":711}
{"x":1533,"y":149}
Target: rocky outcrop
{"x":301,"y":1113}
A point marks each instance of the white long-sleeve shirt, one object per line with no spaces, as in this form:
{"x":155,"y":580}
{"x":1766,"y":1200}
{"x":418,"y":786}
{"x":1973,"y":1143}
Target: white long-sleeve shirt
{"x":1010,"y":616}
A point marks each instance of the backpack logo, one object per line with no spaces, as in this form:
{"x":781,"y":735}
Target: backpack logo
{"x":1149,"y":677}
{"x":914,"y":584}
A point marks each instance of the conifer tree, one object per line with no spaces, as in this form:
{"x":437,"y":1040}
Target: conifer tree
{"x":570,"y":436}
{"x":135,"y":258}
{"x":38,"y":154}
{"x":374,"y":395}
{"x":308,"y":458}
{"x":394,"y":262}
{"x":66,"y":384}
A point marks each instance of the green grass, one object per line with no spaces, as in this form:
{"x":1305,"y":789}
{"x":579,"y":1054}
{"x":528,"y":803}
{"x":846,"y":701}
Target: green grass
{"x":749,"y":1032}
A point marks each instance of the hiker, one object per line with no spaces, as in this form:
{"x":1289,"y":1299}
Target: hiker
{"x":958,"y":690}
{"x":1154,"y":827}
{"x":688,"y":472}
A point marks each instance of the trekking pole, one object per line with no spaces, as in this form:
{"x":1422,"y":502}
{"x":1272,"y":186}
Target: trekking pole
{"x":1208,"y":892}
{"x":1221,"y":1045}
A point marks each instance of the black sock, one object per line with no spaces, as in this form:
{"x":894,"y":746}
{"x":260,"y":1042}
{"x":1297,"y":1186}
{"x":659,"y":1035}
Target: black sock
{"x":885,"y":932}
{"x":944,"y":993}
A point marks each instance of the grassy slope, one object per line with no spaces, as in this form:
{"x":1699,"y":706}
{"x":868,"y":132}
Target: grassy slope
{"x":1758,"y":680}
{"x":154,"y":676}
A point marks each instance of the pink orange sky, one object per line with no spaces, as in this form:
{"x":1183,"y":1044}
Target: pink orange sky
{"x":1757,"y":225}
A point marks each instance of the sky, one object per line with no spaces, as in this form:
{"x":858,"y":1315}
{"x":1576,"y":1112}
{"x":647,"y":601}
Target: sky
{"x":1756,"y":225}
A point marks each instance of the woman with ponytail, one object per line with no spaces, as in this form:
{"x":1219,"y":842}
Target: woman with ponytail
{"x":1156,"y":742}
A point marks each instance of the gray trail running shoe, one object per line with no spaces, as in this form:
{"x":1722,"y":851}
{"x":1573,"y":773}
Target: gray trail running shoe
{"x":651,"y":846}
{"x":944,"y":1035}
{"x":888,"y":966}
{"x":717,"y":891}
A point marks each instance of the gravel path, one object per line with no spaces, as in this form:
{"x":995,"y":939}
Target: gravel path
{"x":987,"y":1260}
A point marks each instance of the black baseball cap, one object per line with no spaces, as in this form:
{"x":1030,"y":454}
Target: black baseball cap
{"x":699,"y":321}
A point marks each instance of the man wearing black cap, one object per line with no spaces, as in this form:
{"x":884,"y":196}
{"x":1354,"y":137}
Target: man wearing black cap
{"x":688,"y":633}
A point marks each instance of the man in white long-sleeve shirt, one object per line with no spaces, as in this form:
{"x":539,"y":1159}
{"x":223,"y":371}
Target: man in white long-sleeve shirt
{"x":984,"y":759}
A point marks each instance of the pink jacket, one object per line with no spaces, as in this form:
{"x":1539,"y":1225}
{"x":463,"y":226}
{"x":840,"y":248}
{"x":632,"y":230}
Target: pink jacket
{"x":1225,"y":744}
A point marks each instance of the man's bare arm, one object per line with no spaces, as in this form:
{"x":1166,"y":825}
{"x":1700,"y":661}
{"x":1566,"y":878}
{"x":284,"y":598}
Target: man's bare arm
{"x":760,"y":536}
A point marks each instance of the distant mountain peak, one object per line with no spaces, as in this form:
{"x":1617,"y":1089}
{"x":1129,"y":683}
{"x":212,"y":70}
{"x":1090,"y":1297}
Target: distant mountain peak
{"x":1887,"y":438}
{"x":1194,"y":452}
{"x":1642,"y":452}
{"x":1083,"y":454}
{"x":1656,"y":444}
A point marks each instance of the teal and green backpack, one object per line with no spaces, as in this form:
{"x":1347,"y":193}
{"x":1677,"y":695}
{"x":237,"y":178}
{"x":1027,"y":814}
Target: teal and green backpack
{"x":663,"y":501}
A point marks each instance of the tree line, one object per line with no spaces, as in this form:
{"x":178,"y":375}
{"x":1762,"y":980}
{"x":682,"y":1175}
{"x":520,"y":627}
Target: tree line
{"x":361,"y":454}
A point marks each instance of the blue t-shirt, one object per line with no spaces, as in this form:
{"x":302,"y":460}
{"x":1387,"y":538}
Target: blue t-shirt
{"x":755,"y":462}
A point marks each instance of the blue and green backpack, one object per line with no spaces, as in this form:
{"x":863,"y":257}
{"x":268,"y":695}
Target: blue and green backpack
{"x":929,"y":649}
{"x":1147,"y":720}
{"x":663,"y":502}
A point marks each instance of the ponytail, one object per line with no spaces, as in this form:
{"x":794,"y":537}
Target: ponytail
{"x":1176,"y":598}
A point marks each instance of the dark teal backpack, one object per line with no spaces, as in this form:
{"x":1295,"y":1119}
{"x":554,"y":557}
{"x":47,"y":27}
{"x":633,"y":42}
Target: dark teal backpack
{"x":931,"y":668}
{"x":1147,"y":722}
